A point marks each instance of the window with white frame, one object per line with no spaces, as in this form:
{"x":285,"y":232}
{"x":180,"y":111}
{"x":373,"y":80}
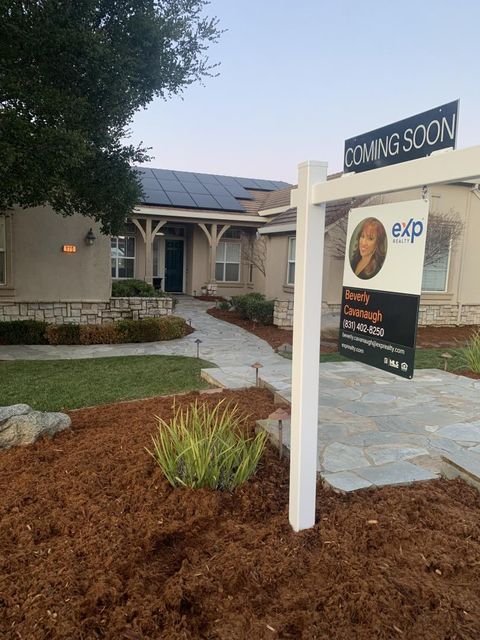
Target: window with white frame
{"x":2,"y":251}
{"x":227,"y":265}
{"x":435,"y":275}
{"x":291,"y":261}
{"x":123,"y":256}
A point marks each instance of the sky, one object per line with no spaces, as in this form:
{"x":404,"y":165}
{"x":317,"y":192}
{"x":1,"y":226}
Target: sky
{"x":298,"y":78}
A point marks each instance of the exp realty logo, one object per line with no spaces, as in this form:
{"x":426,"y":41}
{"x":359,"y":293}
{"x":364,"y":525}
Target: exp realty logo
{"x":407,"y":231}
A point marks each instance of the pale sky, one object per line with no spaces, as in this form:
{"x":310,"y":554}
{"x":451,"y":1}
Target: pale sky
{"x":298,"y":78}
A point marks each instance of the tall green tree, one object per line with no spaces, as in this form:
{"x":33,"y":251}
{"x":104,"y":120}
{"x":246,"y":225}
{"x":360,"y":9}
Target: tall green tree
{"x":72,"y":75}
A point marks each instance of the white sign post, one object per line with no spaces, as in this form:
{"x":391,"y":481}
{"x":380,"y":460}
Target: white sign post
{"x":310,"y":198}
{"x":306,"y":347}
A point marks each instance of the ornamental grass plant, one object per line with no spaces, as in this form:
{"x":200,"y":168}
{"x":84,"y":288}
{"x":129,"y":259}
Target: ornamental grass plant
{"x":205,"y":447}
{"x":472,"y":353}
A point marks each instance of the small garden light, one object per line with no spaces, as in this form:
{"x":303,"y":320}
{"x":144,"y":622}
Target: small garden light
{"x":256,"y":366}
{"x":446,"y":357}
{"x":198,"y":342}
{"x":280,"y":414}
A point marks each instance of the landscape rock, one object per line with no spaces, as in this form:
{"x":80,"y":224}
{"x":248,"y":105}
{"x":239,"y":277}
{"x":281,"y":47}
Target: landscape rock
{"x":20,"y":425}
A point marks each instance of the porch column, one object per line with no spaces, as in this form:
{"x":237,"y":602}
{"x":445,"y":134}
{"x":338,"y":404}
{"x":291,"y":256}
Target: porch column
{"x":213,"y":250}
{"x":148,"y":251}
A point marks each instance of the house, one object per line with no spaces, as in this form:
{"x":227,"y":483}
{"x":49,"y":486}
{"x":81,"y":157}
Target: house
{"x":450,"y":289}
{"x":232,"y":235}
{"x":191,"y":230}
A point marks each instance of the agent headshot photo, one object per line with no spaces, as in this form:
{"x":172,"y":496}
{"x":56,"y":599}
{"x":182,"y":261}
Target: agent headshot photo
{"x":368,"y":248}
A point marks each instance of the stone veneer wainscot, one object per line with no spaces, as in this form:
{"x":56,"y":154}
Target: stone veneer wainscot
{"x":429,"y":314}
{"x":87,"y":312}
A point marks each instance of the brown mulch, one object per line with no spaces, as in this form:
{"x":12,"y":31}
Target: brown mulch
{"x":427,"y":337}
{"x":95,"y":544}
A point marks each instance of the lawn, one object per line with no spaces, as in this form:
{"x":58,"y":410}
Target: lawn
{"x":55,"y":385}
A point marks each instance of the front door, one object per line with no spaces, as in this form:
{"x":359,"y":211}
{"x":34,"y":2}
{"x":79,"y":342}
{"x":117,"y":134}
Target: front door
{"x":174,"y":266}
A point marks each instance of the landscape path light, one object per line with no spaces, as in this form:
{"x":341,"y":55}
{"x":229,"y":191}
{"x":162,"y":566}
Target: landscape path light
{"x":198,"y":342}
{"x":446,"y":357}
{"x":256,"y":366}
{"x":280,"y":414}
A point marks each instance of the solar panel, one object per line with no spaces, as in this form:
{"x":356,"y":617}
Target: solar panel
{"x":181,"y":199}
{"x":248,"y":183}
{"x":172,"y":185}
{"x":194,"y":187}
{"x":206,"y":178}
{"x":206,"y":202}
{"x":164,"y":174}
{"x":156,"y":196}
{"x":217,"y":190}
{"x":229,"y":203}
{"x":199,"y":190}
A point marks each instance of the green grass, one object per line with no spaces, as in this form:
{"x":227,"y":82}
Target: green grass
{"x":54,"y":385}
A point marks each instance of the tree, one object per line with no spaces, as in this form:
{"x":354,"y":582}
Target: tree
{"x":72,"y":74}
{"x":254,"y":251}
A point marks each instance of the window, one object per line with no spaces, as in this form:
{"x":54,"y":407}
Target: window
{"x":291,"y":261}
{"x":435,"y":275}
{"x":227,"y":267}
{"x":123,"y":256}
{"x":2,"y":250}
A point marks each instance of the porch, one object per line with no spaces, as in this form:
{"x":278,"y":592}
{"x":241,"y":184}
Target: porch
{"x":182,"y":256}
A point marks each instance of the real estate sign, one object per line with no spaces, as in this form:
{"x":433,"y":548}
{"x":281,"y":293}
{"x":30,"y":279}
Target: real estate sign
{"x":382,"y":282}
{"x":409,"y":139}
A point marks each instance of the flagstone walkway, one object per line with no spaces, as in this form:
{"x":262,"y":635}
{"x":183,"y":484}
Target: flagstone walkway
{"x":374,"y":428}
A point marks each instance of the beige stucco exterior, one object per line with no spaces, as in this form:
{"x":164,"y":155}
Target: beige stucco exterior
{"x":38,"y":269}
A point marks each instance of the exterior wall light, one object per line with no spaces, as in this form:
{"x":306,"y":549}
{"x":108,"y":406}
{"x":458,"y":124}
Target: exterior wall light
{"x":90,"y":237}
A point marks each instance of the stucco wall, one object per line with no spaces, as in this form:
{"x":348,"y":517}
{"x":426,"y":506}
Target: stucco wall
{"x":42,"y":272}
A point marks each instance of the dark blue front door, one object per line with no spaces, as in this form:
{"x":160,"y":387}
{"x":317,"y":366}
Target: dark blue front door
{"x":174,"y":266}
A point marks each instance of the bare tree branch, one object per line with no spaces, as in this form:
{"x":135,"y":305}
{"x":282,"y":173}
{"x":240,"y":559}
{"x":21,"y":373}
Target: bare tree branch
{"x":254,"y":251}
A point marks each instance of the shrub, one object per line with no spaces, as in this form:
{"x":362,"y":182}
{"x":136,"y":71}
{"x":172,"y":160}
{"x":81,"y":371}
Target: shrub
{"x":240,"y":303}
{"x":99,"y":334}
{"x":260,"y":310}
{"x":151,"y":329}
{"x":134,"y":289}
{"x":472,"y":353}
{"x":23,"y":332}
{"x":63,"y":333}
{"x":224,"y":305}
{"x":205,"y":447}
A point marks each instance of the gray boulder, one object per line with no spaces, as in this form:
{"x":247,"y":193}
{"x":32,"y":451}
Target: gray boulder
{"x":20,"y":425}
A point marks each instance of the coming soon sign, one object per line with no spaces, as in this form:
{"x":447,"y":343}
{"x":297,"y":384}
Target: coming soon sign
{"x":382,"y":283}
{"x":409,"y":139}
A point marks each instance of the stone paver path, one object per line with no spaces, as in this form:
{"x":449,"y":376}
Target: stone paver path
{"x":377,"y":429}
{"x":374,"y":428}
{"x":223,"y":343}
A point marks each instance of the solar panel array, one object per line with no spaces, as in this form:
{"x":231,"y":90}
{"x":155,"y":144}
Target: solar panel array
{"x":199,"y":190}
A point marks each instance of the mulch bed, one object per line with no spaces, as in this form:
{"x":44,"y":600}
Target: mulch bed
{"x":95,"y":544}
{"x":427,"y":337}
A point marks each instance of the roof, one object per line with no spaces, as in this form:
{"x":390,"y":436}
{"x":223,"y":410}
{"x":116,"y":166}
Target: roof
{"x":276,"y":199}
{"x":191,"y":190}
{"x":287,"y":220}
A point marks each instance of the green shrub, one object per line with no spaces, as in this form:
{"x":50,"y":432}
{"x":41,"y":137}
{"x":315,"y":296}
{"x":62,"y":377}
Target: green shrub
{"x":23,"y":332}
{"x":260,"y":310}
{"x":63,"y":333}
{"x":472,"y":353}
{"x":151,"y":329}
{"x":205,"y":447}
{"x":224,"y":305}
{"x":240,"y":303}
{"x":134,"y":289}
{"x":99,"y":333}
